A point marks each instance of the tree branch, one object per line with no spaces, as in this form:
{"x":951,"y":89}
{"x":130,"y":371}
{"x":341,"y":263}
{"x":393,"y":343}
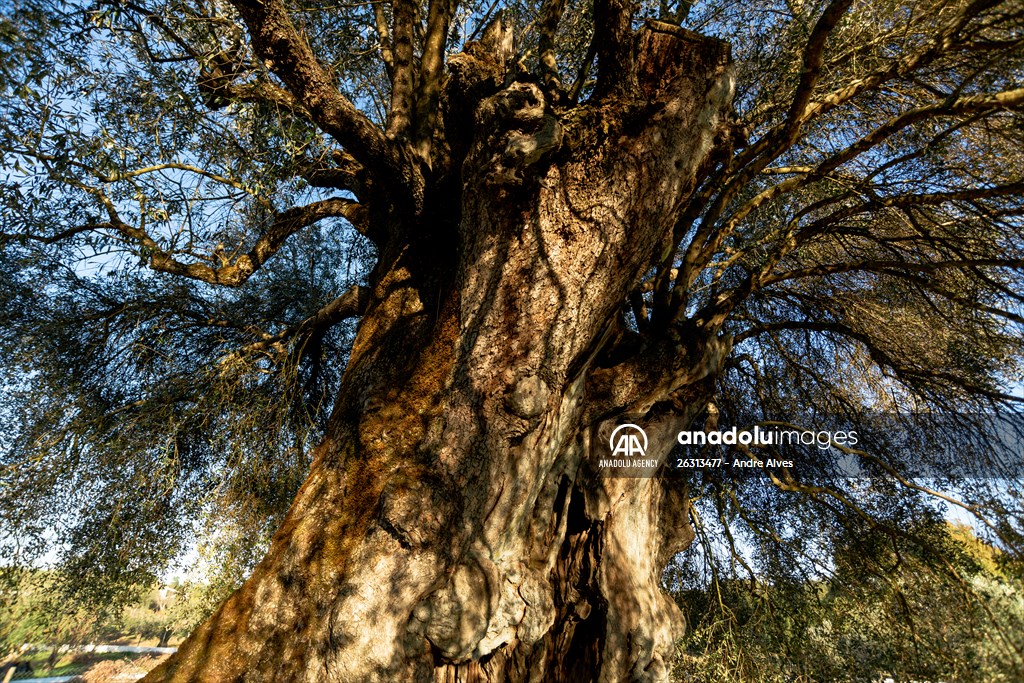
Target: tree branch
{"x":276,"y":41}
{"x":400,"y":114}
{"x":439,"y":17}
{"x":234,"y":273}
{"x":717,"y":195}
{"x":347,"y":174}
{"x":584,"y":71}
{"x":231,"y":273}
{"x":351,"y":304}
{"x":261,"y":92}
{"x":889,"y":266}
{"x":778,"y":140}
{"x":613,"y":36}
{"x":550,"y":14}
{"x":810,"y":70}
{"x":805,"y":175}
{"x":381,"y":24}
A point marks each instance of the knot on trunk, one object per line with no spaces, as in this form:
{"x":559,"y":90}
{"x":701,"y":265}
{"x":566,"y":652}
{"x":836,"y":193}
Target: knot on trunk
{"x":483,"y":606}
{"x":456,"y":616}
{"x":519,"y":130}
{"x":414,"y":508}
{"x":529,"y":397}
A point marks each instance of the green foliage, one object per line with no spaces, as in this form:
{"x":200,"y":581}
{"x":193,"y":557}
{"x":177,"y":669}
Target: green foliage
{"x":950,"y":608}
{"x":137,"y":405}
{"x":36,"y":612}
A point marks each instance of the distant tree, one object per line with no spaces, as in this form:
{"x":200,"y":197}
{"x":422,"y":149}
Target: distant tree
{"x":33,"y":612}
{"x":152,"y":616}
{"x":424,"y":257}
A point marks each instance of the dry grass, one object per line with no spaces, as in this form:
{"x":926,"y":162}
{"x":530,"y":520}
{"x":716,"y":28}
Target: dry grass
{"x":120,"y":670}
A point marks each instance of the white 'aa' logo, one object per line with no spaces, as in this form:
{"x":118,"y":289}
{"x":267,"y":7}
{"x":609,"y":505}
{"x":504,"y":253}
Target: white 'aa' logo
{"x":625,"y":440}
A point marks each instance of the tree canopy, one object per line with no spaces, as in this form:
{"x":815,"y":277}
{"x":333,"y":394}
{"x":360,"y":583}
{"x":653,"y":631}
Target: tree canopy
{"x":197,"y":194}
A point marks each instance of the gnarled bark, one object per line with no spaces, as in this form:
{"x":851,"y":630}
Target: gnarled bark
{"x":454,"y":526}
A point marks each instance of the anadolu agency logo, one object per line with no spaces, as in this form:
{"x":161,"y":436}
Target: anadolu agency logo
{"x":626,"y":441}
{"x":628,"y":446}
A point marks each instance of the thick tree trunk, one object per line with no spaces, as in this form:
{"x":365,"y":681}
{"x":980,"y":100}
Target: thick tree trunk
{"x":454,"y":526}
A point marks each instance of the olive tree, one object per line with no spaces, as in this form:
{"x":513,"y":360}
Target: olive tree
{"x":424,"y":257}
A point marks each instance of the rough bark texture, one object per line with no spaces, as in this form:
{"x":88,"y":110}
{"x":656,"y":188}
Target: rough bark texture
{"x":453,"y":526}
